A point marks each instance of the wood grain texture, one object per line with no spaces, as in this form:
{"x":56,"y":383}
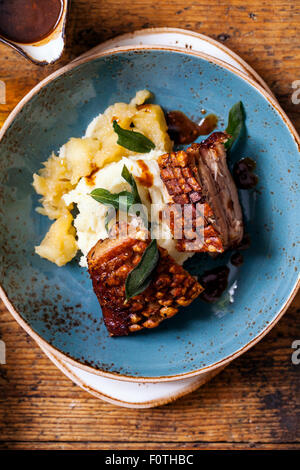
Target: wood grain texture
{"x":253,"y":403}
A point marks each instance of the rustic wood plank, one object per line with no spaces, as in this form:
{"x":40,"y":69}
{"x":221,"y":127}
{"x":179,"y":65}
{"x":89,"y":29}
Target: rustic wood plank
{"x":257,"y":32}
{"x":254,"y":403}
{"x":114,"y":446}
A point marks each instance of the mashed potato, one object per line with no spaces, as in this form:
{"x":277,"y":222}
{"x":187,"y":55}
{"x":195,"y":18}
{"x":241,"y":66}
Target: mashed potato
{"x":96,"y":161}
{"x":59,"y":243}
{"x":90,"y":221}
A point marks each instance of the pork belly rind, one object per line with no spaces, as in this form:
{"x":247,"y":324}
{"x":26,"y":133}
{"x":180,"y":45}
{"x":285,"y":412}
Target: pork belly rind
{"x":110,"y":262}
{"x":180,"y":175}
{"x":198,"y":179}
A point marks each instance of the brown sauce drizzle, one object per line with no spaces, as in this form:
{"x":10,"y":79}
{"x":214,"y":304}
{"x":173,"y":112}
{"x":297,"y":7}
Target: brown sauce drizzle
{"x":183,"y":130}
{"x":208,"y":124}
{"x":146,"y":178}
{"x":90,"y":179}
{"x":29,"y":21}
{"x":146,"y":107}
{"x":215,"y":282}
{"x":243,"y":173}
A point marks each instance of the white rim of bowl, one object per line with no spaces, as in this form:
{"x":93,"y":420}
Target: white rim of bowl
{"x":110,"y":44}
{"x":152,"y":403}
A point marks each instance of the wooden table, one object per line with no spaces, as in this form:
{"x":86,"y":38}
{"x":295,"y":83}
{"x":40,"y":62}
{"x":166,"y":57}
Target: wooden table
{"x":254,"y":403}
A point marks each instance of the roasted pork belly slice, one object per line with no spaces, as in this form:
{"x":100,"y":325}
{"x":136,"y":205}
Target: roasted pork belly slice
{"x":200,"y":175}
{"x":193,"y":231}
{"x":219,"y":187}
{"x":110,"y":262}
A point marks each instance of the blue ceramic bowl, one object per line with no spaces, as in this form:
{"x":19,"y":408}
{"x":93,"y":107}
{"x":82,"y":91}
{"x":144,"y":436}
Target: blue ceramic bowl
{"x":58,"y":306}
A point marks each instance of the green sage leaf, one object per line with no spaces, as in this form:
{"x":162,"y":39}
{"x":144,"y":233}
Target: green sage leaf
{"x":130,"y":180}
{"x":140,"y":277}
{"x":132,"y":140}
{"x":105,"y":197}
{"x":236,"y":122}
{"x":120,"y":201}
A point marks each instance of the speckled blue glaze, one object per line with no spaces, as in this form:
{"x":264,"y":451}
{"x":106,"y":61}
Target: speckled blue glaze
{"x":59,"y":303}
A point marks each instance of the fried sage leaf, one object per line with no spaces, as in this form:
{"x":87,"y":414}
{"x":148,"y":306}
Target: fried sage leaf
{"x":120,"y":201}
{"x":236,"y":122}
{"x":130,"y":180}
{"x":140,"y":277}
{"x":136,"y":197}
{"x":132,"y":140}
